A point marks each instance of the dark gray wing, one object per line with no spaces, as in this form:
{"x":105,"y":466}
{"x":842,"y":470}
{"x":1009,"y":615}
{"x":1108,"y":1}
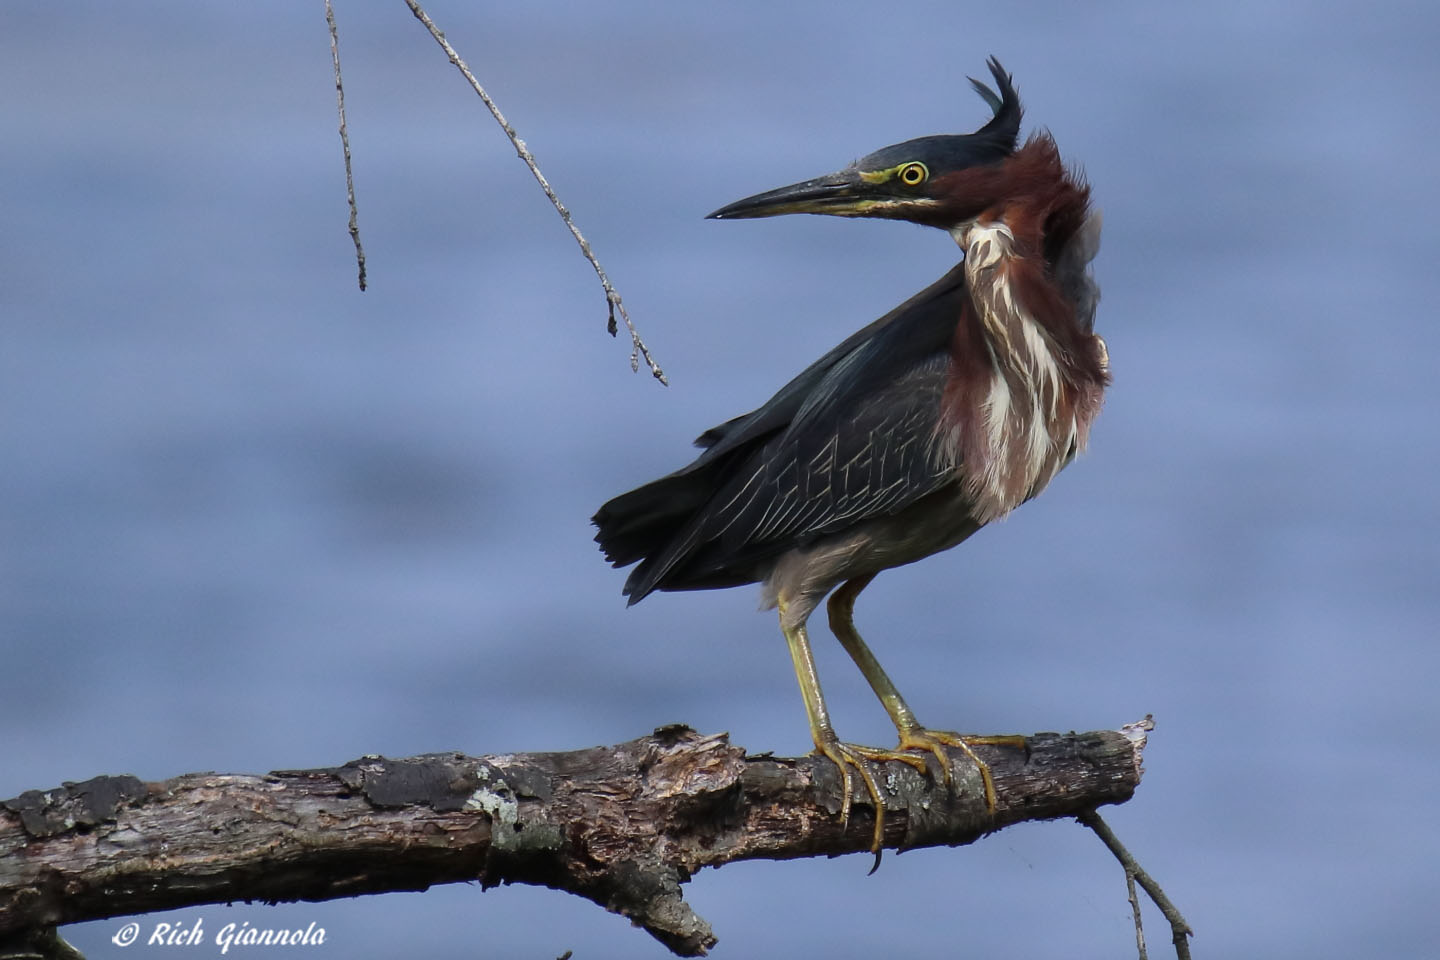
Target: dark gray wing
{"x":837,"y":464}
{"x":883,"y":348}
{"x":850,"y":438}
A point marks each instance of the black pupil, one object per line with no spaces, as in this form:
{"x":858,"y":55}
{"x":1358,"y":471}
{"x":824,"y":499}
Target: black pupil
{"x":912,"y":174}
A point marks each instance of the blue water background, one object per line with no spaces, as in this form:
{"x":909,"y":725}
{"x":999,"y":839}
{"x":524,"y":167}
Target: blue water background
{"x":253,"y":519}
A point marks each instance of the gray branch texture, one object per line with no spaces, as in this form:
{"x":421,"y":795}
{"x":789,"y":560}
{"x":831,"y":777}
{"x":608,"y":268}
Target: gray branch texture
{"x":623,"y":826}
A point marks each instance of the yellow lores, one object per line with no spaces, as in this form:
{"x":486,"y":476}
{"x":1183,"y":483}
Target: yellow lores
{"x":912,"y":173}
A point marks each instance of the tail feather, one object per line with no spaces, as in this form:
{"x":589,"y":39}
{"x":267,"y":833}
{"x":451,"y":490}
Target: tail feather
{"x":643,"y":522}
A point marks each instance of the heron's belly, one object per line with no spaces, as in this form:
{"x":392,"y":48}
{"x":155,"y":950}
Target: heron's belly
{"x":804,"y":576}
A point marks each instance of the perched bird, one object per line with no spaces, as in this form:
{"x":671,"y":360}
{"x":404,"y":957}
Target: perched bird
{"x":943,"y":415}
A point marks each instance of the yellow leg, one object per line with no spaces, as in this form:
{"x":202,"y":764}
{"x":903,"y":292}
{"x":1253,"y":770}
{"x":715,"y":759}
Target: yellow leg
{"x":913,"y":736}
{"x":843,"y":755}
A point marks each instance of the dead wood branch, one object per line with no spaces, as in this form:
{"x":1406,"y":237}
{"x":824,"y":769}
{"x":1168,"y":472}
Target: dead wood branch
{"x":623,"y":826}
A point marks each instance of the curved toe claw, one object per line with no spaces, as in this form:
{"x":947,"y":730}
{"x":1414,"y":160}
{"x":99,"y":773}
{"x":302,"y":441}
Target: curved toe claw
{"x":847,"y":755}
{"x":935,"y":742}
{"x":912,"y":742}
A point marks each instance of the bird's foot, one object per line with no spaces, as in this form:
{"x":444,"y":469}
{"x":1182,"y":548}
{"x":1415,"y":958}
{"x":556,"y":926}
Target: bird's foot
{"x":935,"y":742}
{"x":848,"y":755}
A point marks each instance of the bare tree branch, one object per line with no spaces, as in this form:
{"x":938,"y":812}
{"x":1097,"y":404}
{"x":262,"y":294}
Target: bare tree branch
{"x":345,"y":142}
{"x":623,"y":826}
{"x":1135,"y":912}
{"x":1180,"y":932}
{"x":612,"y":299}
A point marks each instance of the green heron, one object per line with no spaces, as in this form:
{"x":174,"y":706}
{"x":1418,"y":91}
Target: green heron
{"x":941,"y":416}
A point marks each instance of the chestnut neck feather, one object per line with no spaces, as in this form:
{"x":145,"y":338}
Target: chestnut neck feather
{"x":1027,"y":375}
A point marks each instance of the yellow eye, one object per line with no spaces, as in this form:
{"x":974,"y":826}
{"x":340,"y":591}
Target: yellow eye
{"x":913,"y":174}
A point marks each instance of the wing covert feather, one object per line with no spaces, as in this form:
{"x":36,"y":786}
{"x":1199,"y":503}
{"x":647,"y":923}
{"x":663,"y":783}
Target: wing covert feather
{"x":839,"y":463}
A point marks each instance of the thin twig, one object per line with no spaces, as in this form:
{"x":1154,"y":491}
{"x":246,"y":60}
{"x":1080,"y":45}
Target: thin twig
{"x":612,"y":298}
{"x":345,"y":142}
{"x":1135,"y":909}
{"x":1179,"y":929}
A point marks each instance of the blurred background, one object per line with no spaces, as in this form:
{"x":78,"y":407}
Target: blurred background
{"x":251,"y":518}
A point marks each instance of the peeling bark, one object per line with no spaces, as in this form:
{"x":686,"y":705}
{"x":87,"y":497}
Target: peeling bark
{"x":623,"y":826}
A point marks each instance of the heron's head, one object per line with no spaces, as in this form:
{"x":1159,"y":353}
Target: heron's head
{"x":940,"y":181}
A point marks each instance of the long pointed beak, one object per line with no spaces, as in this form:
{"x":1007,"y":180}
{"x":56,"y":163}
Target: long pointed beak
{"x":837,"y":194}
